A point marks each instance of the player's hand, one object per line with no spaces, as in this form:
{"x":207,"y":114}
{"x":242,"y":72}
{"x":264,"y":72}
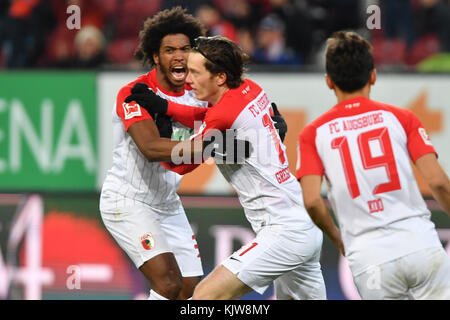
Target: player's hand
{"x":164,"y":124}
{"x":226,"y":148}
{"x":147,"y":99}
{"x":280,"y":124}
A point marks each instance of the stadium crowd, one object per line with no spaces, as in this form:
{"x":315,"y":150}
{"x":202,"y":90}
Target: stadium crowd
{"x":34,"y":33}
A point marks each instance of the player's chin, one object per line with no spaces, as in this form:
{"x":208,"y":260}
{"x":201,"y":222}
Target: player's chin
{"x":199,"y":96}
{"x":177,"y":81}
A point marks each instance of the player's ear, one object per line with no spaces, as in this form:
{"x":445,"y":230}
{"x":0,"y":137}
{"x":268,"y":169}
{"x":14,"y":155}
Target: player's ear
{"x":329,"y":82}
{"x":221,"y":78}
{"x":373,"y":77}
{"x":156,"y":58}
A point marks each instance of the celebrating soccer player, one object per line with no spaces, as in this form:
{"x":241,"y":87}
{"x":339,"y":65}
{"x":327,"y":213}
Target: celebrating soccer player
{"x":139,"y":204}
{"x":287,"y":244}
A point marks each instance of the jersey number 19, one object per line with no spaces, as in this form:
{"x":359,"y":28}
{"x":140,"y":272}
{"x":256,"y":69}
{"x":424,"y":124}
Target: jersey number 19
{"x":386,"y":160}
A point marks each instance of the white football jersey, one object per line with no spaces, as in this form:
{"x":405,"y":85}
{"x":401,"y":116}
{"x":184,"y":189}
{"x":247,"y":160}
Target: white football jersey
{"x":267,"y":190}
{"x":364,"y":149}
{"x":133,"y":180}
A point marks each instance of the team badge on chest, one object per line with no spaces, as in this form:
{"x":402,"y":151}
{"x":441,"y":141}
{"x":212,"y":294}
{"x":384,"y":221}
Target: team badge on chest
{"x":147,"y":241}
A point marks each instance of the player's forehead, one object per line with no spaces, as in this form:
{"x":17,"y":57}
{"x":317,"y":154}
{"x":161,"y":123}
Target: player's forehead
{"x":178,"y":40}
{"x":196,"y":61}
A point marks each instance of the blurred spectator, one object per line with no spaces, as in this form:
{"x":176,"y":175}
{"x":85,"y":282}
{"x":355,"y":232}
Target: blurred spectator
{"x":243,"y":14}
{"x":271,"y":43}
{"x":89,"y":50}
{"x":397,"y":20}
{"x":211,"y":17}
{"x":34,"y":33}
{"x":328,"y":16}
{"x":333,"y":15}
{"x":60,"y":50}
{"x":245,"y":41}
{"x":298,"y":30}
{"x":432,"y":17}
{"x":128,"y":17}
{"x":29,"y":22}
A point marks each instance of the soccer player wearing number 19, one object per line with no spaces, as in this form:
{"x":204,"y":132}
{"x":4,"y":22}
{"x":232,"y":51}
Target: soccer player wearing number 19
{"x":363,"y":148}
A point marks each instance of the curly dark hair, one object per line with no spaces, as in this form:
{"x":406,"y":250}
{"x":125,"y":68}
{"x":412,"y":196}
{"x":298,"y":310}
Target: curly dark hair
{"x":349,"y":60}
{"x":169,"y":21}
{"x":223,"y":55}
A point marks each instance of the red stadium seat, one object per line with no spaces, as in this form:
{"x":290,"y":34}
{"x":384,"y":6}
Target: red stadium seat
{"x":60,"y":44}
{"x":388,"y":51}
{"x":423,"y":48}
{"x":121,"y":50}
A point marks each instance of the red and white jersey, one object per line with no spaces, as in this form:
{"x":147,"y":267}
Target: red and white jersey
{"x":267,"y":190}
{"x":364,"y":149}
{"x":133,"y":180}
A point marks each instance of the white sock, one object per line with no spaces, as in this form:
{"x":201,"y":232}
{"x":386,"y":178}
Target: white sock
{"x":155,"y":296}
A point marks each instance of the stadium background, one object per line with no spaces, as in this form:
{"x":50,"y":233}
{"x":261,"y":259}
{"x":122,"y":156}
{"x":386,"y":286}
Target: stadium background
{"x":56,"y":96}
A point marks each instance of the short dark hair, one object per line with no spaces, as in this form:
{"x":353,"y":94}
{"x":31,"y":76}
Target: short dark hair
{"x":169,"y":21}
{"x":349,"y":60}
{"x":223,"y":55}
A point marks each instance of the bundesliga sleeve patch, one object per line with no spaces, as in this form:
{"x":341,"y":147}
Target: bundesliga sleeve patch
{"x":425,"y":137}
{"x":131,"y":110}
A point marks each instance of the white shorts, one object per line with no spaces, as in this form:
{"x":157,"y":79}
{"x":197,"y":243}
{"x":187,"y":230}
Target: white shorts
{"x":290,"y":258}
{"x":422,"y":275}
{"x":144,"y":233}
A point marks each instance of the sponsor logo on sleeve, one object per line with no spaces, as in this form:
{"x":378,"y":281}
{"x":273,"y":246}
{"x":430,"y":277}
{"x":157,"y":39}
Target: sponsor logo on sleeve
{"x":425,"y":137}
{"x":132,"y":109}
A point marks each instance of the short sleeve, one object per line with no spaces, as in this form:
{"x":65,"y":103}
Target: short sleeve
{"x":418,"y":141}
{"x":308,"y":159}
{"x":129,"y":112}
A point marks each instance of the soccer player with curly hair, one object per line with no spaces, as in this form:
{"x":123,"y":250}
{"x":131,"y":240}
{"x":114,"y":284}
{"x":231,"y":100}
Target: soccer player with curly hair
{"x":139,"y":203}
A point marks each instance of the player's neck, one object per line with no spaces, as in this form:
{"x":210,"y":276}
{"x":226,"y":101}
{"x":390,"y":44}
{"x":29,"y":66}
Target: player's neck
{"x":342,"y":96}
{"x":216,"y":98}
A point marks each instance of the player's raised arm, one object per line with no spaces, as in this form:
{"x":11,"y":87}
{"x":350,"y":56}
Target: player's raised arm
{"x":436,"y":178}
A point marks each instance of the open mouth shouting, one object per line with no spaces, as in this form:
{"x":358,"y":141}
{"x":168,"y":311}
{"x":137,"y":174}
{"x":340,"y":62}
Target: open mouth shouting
{"x":179,"y":73}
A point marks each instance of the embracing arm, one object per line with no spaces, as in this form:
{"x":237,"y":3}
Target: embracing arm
{"x":146,"y":137}
{"x":186,"y":115}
